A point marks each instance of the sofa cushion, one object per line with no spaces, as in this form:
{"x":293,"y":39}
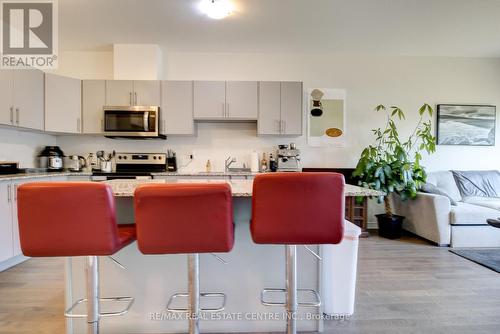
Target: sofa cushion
{"x":471,"y":214}
{"x":484,"y":183}
{"x":487,"y":202}
{"x":445,"y":181}
{"x":432,"y":189}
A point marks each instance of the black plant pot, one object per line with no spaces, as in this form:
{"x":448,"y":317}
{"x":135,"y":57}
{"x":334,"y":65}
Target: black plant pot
{"x":390,"y":227}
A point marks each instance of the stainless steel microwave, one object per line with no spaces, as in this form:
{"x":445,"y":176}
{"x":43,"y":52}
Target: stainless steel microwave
{"x":132,"y":121}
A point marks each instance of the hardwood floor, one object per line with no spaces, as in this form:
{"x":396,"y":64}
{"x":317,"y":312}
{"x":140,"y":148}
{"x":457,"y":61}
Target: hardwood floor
{"x":410,"y":286}
{"x":404,"y":286}
{"x":32,"y":297}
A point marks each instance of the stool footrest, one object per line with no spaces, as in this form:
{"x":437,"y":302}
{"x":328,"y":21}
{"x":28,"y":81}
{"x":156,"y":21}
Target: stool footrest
{"x":205,"y":294}
{"x":314,"y":293}
{"x":69,"y":312}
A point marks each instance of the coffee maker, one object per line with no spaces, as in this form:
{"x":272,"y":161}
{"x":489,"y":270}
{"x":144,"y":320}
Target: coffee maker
{"x":288,"y":158}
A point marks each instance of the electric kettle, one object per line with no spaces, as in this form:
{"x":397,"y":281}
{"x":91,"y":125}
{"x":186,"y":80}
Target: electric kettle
{"x":76,"y":163}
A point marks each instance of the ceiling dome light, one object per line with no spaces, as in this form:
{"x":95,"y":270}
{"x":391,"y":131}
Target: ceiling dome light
{"x":216,"y":9}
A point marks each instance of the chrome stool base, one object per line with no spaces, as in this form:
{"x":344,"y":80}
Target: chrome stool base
{"x":93,"y":299}
{"x":291,"y":290}
{"x":194,"y":295}
{"x":69,"y":312}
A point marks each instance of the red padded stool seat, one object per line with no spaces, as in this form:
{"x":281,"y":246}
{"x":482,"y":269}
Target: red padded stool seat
{"x":69,"y":219}
{"x":73,"y":219}
{"x":296,"y":209}
{"x":186,"y":218}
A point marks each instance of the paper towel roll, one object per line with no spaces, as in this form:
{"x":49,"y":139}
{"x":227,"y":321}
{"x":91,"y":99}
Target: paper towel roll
{"x":254,"y":162}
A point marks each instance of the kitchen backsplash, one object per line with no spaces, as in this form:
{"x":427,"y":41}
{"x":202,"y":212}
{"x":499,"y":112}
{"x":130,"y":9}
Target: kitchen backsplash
{"x":22,"y":146}
{"x":215,"y":141}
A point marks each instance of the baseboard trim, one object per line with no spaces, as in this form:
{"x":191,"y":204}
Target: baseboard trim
{"x":12,"y":262}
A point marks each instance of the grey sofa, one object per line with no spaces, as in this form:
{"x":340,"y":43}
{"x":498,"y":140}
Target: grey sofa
{"x":462,"y":225}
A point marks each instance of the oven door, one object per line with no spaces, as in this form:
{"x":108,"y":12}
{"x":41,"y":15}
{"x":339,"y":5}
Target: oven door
{"x":133,"y":121}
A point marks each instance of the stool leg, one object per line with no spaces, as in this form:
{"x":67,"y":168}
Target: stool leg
{"x":291,"y":288}
{"x":194,"y":292}
{"x":92,"y":273}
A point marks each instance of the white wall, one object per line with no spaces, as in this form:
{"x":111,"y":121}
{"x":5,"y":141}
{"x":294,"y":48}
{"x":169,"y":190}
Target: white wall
{"x":22,"y":146}
{"x":369,"y":80}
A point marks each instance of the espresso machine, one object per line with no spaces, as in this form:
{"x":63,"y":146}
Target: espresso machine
{"x":288,"y":158}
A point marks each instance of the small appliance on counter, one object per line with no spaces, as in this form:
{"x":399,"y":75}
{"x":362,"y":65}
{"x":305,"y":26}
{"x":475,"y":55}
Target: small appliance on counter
{"x":8,"y":167}
{"x":133,"y":166}
{"x":171,"y":161}
{"x":51,"y":158}
{"x":288,"y":158}
{"x":76,"y":163}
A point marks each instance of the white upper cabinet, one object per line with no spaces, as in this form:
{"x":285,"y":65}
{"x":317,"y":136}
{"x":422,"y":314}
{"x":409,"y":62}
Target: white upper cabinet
{"x":291,"y":108}
{"x":147,"y":93}
{"x":93,"y":100}
{"x":177,"y":108}
{"x":63,"y":103}
{"x":280,"y":108}
{"x":6,"y":96}
{"x":119,"y":93}
{"x":28,"y":102}
{"x":209,"y":100}
{"x":133,"y":93}
{"x":241,"y":100}
{"x":6,"y":232}
{"x":269,"y":122}
{"x":220,"y":100}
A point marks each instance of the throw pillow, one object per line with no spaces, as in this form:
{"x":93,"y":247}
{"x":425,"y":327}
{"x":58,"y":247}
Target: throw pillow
{"x":432,"y":189}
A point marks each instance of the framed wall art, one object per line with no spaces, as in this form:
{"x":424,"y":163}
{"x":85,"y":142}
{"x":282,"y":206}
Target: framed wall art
{"x":472,"y":125}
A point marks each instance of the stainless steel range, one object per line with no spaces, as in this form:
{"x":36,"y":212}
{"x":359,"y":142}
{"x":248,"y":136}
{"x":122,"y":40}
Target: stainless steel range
{"x":133,"y":166}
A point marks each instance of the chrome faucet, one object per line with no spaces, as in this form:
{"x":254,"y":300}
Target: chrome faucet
{"x":228,"y":163}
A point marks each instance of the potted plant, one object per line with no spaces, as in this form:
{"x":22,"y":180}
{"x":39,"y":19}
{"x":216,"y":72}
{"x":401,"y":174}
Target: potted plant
{"x":392,"y":165}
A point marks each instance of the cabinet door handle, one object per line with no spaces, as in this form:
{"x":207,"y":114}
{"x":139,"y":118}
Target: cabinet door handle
{"x":8,"y":194}
{"x":223,"y":109}
{"x":130,"y":98}
{"x":11,"y":115}
{"x":17,"y":116}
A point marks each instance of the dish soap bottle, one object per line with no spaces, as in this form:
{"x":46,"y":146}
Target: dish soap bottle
{"x":208,"y":166}
{"x":263,"y":163}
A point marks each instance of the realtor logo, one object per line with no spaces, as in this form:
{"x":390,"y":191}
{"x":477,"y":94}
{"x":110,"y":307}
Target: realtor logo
{"x":29,"y":34}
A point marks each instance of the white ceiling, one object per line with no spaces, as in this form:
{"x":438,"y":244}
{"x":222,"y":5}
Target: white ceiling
{"x":402,"y":27}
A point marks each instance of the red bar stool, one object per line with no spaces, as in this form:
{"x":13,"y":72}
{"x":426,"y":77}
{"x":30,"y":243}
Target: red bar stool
{"x":186,"y":218}
{"x":74,"y":219}
{"x":296,"y":209}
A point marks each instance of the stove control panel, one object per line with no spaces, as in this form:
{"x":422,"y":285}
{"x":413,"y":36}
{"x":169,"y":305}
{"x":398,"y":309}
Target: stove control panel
{"x":141,"y":158}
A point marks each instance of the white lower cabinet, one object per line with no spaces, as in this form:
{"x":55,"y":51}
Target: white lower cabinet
{"x":10,"y":245}
{"x":6,"y":233}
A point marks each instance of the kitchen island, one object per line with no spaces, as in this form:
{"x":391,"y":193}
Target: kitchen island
{"x":152,"y":279}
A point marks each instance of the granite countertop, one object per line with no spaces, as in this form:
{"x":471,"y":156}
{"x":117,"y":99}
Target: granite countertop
{"x":33,"y":175}
{"x":205,"y":174}
{"x":239,"y":188}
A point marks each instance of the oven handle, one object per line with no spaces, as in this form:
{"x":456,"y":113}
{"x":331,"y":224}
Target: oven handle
{"x":145,"y":120}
